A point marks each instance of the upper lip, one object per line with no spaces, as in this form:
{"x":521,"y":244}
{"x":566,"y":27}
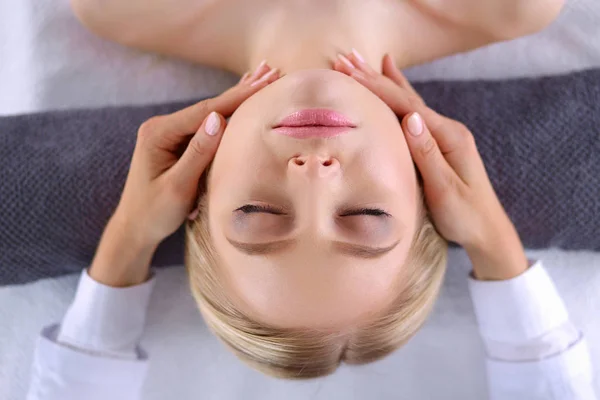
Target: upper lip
{"x":316,"y":118}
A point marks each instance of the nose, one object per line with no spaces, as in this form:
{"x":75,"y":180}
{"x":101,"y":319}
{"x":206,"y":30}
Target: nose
{"x":314,"y":166}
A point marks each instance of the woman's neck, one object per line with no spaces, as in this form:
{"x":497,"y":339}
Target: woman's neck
{"x":293,"y":38}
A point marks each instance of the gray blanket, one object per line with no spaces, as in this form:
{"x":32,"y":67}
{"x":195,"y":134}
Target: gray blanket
{"x":62,"y":172}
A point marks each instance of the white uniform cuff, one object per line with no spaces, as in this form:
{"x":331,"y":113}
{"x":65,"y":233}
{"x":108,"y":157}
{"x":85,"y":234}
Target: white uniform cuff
{"x":518,"y":309}
{"x":106,"y":320}
{"x":565,"y":376}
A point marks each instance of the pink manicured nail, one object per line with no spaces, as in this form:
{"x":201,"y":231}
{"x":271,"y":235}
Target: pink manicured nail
{"x":358,"y":55}
{"x":346,"y":62}
{"x":262,"y":64}
{"x":213,"y":124}
{"x":415,"y":124}
{"x":265,"y":77}
{"x":247,"y":74}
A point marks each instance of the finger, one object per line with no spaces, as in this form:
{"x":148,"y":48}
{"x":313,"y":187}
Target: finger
{"x":250,"y":77}
{"x":399,"y":100}
{"x":344,"y":65}
{"x":360,"y":64}
{"x":267,"y":78}
{"x":199,"y":153}
{"x":260,"y":70}
{"x":390,"y":70}
{"x":244,"y":77}
{"x":457,"y":144}
{"x":436,"y":172}
{"x":339,"y":66}
{"x":185,"y":122}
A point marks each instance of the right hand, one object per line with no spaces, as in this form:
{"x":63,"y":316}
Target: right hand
{"x":460,"y":197}
{"x":170,"y":156}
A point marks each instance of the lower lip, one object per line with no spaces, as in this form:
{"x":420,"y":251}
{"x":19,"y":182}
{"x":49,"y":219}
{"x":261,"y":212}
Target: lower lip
{"x":312,"y":123}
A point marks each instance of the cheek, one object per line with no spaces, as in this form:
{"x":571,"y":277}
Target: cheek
{"x":238,"y":151}
{"x":391,"y":162}
{"x":393,"y":150}
{"x":390,"y":165}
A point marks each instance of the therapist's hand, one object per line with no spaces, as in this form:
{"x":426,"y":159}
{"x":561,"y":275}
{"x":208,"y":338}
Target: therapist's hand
{"x":170,"y":156}
{"x":458,"y":192}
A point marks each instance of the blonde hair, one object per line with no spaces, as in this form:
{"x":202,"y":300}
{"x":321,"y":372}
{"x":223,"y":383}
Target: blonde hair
{"x":296,"y":354}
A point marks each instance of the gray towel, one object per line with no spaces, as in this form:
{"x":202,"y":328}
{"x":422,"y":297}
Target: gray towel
{"x":63,"y":172}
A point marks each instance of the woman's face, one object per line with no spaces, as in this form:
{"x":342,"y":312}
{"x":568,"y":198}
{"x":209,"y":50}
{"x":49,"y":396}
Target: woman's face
{"x":312,"y":225}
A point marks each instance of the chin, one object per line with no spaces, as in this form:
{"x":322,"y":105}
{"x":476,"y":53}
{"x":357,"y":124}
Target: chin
{"x":315,"y":88}
{"x":316,"y":75}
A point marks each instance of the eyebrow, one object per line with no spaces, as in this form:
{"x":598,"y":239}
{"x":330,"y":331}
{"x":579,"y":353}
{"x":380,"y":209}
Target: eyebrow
{"x":361,"y":251}
{"x":350,"y":249}
{"x":254,"y":249}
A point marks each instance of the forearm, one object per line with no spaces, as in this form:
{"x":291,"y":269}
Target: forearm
{"x":122,"y":258}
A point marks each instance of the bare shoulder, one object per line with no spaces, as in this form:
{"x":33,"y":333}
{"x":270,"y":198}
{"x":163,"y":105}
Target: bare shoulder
{"x":501,"y":19}
{"x":164,"y":26}
{"x":447,"y":27}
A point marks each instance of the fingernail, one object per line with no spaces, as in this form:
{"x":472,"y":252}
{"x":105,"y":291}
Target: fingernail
{"x":213,"y":124}
{"x":244,"y":76}
{"x":345,"y":61}
{"x":265,"y":77}
{"x":415,"y":124}
{"x":358,"y":55}
{"x":262,"y":64}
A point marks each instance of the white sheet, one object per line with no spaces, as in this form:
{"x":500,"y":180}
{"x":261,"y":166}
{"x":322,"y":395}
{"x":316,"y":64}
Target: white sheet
{"x":47,"y":61}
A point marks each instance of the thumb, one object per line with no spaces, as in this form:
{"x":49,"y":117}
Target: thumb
{"x":199,"y":152}
{"x":435,"y":170}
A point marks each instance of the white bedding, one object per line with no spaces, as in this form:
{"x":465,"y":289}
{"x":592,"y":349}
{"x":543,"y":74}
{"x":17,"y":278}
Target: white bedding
{"x":47,"y":61}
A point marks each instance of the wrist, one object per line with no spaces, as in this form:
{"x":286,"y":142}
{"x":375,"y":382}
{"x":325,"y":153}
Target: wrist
{"x":130,"y":231}
{"x":123,"y":256}
{"x":498,"y":254}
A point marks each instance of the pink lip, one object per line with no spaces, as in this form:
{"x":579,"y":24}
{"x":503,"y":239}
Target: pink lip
{"x":314,"y":123}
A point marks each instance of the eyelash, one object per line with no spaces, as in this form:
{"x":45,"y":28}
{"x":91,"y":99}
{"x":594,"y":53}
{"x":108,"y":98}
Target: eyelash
{"x":375,"y":212}
{"x":252,"y":209}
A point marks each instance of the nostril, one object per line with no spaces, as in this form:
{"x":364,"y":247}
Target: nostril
{"x":323,"y":161}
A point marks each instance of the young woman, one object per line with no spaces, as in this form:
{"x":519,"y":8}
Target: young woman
{"x":312,"y":243}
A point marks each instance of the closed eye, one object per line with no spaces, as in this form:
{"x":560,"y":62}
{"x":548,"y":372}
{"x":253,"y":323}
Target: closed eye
{"x":254,"y":208}
{"x":375,"y":212}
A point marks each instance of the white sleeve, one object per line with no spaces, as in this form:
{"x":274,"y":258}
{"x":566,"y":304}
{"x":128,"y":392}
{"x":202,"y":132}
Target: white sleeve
{"x":534,"y":352}
{"x":95,"y":353}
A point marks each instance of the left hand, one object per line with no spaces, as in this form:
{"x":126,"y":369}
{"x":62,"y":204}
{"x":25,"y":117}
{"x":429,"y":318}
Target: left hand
{"x":460,"y":197}
{"x":170,"y":156}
